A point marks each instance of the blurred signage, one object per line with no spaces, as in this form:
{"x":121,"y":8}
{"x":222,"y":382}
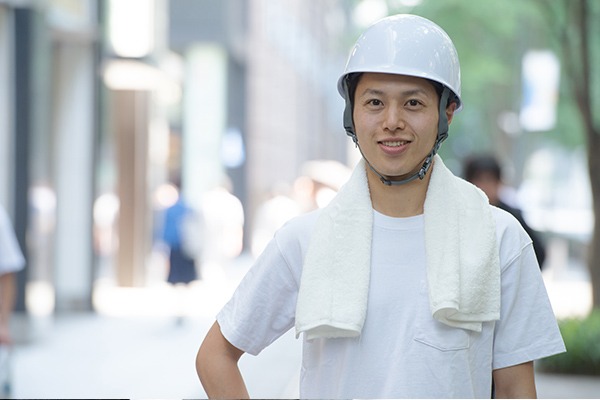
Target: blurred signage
{"x":541,"y":75}
{"x":233,"y":153}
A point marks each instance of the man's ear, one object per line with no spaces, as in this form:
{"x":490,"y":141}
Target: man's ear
{"x":450,"y":111}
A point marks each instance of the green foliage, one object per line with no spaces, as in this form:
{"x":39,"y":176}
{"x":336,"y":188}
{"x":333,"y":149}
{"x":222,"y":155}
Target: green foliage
{"x":566,"y":39}
{"x":491,"y":38}
{"x":569,"y":131}
{"x":582,"y":339}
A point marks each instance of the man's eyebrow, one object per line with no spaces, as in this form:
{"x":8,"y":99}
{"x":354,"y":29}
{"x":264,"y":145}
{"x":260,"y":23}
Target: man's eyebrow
{"x":373,"y":91}
{"x":411,"y":92}
{"x":415,"y":91}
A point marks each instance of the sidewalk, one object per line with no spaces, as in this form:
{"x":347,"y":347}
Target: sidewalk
{"x":555,"y":386}
{"x":91,"y":356}
{"x":137,"y":346}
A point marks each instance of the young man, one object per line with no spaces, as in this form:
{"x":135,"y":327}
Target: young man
{"x":408,"y":285}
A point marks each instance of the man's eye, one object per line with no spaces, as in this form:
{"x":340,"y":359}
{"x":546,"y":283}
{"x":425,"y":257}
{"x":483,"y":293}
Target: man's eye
{"x":413,"y":103}
{"x":376,"y":102}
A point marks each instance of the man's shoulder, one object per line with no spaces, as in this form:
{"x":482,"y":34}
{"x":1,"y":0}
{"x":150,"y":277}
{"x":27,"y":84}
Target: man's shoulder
{"x":511,"y":236}
{"x":506,"y":222}
{"x":293,"y":238}
{"x":298,"y":228}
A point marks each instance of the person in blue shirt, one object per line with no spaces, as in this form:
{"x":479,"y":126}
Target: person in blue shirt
{"x":182,"y":266}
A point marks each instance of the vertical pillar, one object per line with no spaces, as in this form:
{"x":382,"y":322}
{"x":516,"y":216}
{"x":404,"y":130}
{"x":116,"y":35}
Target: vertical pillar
{"x":6,"y":109}
{"x":23,"y":25}
{"x":73,"y":103}
{"x":131,"y":116}
{"x":204,"y":105}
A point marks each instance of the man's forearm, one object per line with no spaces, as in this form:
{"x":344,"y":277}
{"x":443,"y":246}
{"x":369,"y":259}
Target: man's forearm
{"x":516,"y":382}
{"x":217,"y":367}
{"x":222,"y":380}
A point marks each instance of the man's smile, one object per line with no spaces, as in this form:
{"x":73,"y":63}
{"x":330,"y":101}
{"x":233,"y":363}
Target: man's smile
{"x":393,"y":147}
{"x":395,"y":143}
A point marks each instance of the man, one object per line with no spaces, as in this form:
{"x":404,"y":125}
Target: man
{"x":408,"y":285}
{"x":11,"y":261}
{"x":484,"y":172}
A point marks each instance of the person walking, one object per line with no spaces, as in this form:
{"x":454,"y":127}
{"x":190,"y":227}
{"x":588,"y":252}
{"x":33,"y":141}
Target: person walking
{"x":408,"y":284}
{"x":178,"y":221}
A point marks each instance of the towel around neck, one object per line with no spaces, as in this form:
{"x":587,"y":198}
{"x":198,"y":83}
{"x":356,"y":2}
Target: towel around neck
{"x":462,"y":262}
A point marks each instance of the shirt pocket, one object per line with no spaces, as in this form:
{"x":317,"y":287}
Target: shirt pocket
{"x":433,"y":333}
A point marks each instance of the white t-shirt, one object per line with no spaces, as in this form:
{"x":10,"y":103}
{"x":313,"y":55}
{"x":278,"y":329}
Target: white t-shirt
{"x":402,"y":351}
{"x":11,"y":257}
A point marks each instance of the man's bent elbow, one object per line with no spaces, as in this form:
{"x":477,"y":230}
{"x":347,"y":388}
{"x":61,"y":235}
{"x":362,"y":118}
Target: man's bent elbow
{"x":216,"y":365}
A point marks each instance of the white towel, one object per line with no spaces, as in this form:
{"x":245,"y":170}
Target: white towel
{"x":463,"y":270}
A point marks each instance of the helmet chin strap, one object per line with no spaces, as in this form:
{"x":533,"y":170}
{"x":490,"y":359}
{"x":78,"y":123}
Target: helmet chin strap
{"x":441,"y":136}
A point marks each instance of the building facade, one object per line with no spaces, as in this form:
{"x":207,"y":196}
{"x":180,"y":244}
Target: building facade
{"x":96,"y":114}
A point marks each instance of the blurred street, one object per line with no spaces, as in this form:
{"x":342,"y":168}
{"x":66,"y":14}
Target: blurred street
{"x":90,"y":356}
{"x":128,"y":353}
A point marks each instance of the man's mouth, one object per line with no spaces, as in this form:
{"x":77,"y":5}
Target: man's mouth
{"x":395,"y":144}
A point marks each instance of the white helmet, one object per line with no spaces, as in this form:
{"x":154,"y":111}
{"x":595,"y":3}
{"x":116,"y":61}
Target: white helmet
{"x":407,"y":45}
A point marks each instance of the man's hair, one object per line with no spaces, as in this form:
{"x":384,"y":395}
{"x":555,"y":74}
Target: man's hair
{"x":484,"y":163}
{"x":353,"y":80}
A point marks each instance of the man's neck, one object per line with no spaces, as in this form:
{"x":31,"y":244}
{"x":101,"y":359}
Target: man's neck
{"x":398,"y":201}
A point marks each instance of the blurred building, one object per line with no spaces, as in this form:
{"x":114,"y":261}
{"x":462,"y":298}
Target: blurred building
{"x":273,"y":69}
{"x":48,"y":108}
{"x":294,"y":111}
{"x":102,"y":102}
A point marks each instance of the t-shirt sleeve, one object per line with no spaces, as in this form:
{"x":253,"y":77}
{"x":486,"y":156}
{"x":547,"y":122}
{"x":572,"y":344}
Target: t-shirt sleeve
{"x":527,"y":329}
{"x":263,"y":307}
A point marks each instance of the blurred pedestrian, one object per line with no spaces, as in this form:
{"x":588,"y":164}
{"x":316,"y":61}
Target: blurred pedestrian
{"x":182,"y":233}
{"x":328,"y":177}
{"x":224,"y":219}
{"x":408,"y":284}
{"x":484,"y":172}
{"x":276,"y":210}
{"x":11,"y":261}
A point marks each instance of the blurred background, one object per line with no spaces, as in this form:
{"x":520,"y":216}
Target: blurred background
{"x":113,"y":111}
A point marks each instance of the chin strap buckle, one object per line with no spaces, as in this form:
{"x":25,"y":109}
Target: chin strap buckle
{"x":426,"y":165}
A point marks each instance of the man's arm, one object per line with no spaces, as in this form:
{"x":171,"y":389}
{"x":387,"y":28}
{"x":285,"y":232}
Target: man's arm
{"x":7,"y":302}
{"x":516,"y":382}
{"x":217,"y":368}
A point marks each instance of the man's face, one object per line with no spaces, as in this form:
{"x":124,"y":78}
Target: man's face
{"x":396,"y":122}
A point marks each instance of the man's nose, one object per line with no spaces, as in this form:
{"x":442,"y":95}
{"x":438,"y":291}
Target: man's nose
{"x":394,"y":118}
